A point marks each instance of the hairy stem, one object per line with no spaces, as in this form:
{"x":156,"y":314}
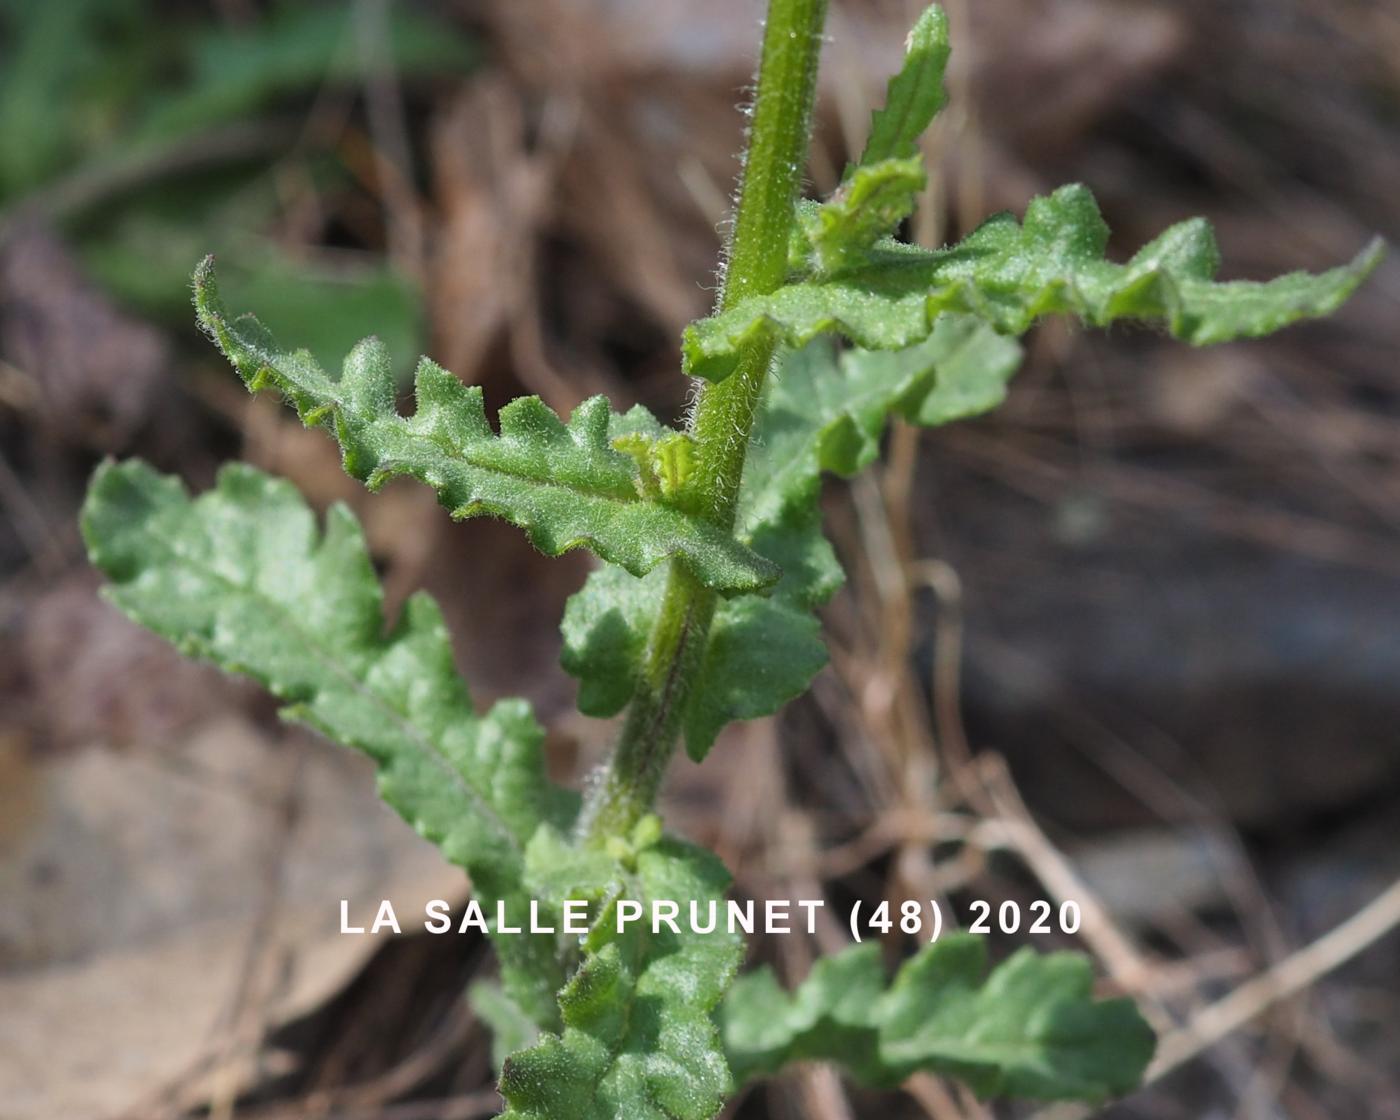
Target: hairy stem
{"x":756,"y":263}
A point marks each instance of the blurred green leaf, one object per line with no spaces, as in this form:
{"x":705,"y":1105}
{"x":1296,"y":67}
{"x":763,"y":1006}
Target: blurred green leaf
{"x":64,"y":67}
{"x":105,"y":103}
{"x":87,"y":82}
{"x":146,"y":265}
{"x":236,"y":72}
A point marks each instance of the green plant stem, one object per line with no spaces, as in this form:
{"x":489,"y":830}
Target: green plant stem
{"x":756,"y":263}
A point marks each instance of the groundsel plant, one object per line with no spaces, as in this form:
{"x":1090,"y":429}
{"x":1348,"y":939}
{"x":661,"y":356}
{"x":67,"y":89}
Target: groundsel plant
{"x":701,"y":611}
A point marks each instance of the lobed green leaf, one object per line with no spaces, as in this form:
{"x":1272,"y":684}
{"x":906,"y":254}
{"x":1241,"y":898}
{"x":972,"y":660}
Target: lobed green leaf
{"x":564,"y":484}
{"x":827,"y":411}
{"x":821,"y":413}
{"x":639,"y":1038}
{"x":881,"y":190}
{"x":1030,"y":1029}
{"x":914,"y":95}
{"x":1011,"y":274}
{"x":869,"y":205}
{"x":242,"y":577}
{"x":762,"y":651}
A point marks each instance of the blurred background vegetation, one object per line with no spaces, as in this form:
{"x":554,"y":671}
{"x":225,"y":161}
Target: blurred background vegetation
{"x":1135,"y":637}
